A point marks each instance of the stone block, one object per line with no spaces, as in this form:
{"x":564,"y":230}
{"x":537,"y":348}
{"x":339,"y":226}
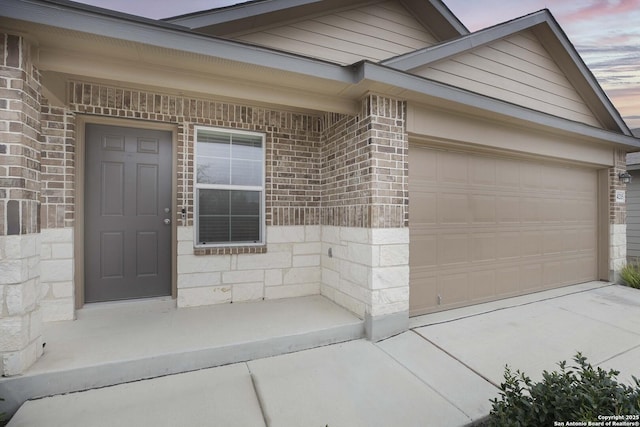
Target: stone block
{"x":302,"y":275}
{"x":313,"y":233}
{"x":331,"y":235}
{"x":185,"y":234}
{"x":330,"y":277}
{"x":286,"y":234}
{"x":356,"y":273}
{"x":194,"y":297}
{"x":35,"y":324}
{"x":62,"y":289}
{"x":245,"y":276}
{"x":390,"y":236}
{"x":362,"y":254}
{"x":306,"y":260}
{"x":45,"y":251}
{"x":292,"y":291}
{"x":389,"y":308}
{"x":185,"y":247}
{"x":264,"y":261}
{"x":391,"y":255}
{"x":273,"y":277}
{"x":193,"y":280}
{"x":61,"y":250}
{"x":355,"y":306}
{"x":355,"y":235}
{"x":57,"y":235}
{"x":54,"y":310}
{"x":390,"y":277}
{"x":203,"y":263}
{"x":12,"y":271}
{"x":56,"y":270}
{"x":307,"y":248}
{"x":20,"y":299}
{"x":14,"y":333}
{"x":17,"y":362}
{"x":247,"y":291}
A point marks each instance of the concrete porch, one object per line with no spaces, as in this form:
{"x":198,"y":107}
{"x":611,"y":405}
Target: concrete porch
{"x":114,"y":343}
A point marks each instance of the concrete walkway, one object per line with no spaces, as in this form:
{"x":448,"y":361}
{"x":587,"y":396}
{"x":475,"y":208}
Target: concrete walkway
{"x":440,"y":373}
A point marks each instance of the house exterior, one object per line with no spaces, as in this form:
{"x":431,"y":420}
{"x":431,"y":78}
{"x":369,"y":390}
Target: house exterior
{"x":374,"y":152}
{"x":633,"y":203}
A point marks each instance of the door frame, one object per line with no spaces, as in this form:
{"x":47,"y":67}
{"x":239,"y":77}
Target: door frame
{"x":78,"y":239}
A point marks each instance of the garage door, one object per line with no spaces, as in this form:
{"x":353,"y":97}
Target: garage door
{"x":485,"y":227}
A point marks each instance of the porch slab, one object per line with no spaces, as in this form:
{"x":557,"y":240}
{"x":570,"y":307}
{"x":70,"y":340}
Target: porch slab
{"x":117,"y":343}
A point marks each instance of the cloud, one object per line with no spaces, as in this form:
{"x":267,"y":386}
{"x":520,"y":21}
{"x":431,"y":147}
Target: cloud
{"x":597,"y":9}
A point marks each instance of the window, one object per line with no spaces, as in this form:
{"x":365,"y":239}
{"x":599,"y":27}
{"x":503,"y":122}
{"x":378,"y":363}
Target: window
{"x":229,"y":187}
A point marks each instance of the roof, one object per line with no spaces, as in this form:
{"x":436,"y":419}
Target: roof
{"x":433,"y":14}
{"x":555,"y":41}
{"x":183,"y":48}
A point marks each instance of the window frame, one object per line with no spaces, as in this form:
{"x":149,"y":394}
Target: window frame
{"x":230,"y":187}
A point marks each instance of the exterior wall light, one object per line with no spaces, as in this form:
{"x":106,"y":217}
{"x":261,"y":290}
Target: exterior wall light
{"x":625,"y":177}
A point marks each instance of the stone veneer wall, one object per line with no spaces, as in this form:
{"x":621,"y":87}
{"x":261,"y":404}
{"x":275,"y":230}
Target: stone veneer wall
{"x":617,"y":217}
{"x":20,"y":313}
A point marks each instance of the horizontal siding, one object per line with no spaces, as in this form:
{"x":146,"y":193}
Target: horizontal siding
{"x":374,"y":32}
{"x":517,"y":70}
{"x":633,"y":216}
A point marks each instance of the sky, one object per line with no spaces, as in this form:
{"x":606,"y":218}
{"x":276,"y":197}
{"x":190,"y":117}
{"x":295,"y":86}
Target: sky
{"x":606,"y":33}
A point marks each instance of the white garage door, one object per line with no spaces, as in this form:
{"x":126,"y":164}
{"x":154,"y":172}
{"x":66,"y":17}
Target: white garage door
{"x":486,"y":227}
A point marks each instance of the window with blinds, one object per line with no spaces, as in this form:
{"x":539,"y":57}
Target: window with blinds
{"x":229,"y":187}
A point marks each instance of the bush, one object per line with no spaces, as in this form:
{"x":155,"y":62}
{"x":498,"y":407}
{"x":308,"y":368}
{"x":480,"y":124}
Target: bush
{"x":576,"y":393}
{"x":630,"y":274}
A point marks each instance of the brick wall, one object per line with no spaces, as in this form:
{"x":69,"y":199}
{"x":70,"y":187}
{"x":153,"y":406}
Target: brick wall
{"x":365,"y":166}
{"x":20,"y":313}
{"x":292,"y":142}
{"x":617,"y":218}
{"x":19,"y":136}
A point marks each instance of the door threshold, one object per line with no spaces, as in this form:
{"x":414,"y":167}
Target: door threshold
{"x":167,"y":301}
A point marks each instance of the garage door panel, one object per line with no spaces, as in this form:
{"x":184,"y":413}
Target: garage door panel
{"x":552,"y":242}
{"x":424,"y":249}
{"x":508,"y":209}
{"x":452,"y":249}
{"x":531,"y":243}
{"x":453,"y":209}
{"x":428,"y":214}
{"x":454,"y":288}
{"x":482,"y":172}
{"x":530,"y":210}
{"x":483,"y":247}
{"x":483,"y":209}
{"x":452,"y":168}
{"x":484,"y":228}
{"x":482,"y":283}
{"x":508,"y":245}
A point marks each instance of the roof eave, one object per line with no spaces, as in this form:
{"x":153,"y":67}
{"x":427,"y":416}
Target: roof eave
{"x":155,"y":33}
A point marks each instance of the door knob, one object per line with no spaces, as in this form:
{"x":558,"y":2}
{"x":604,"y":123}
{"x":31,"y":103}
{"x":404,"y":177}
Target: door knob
{"x":167,"y":221}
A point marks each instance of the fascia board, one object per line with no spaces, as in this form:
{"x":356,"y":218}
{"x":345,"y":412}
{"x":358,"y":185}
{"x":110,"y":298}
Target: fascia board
{"x":233,"y":13}
{"x":172,"y":38}
{"x":451,"y":48}
{"x":409,"y":82}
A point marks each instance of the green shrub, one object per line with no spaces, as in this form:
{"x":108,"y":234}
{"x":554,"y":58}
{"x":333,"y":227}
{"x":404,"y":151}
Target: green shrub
{"x":576,"y":393}
{"x":630,"y":274}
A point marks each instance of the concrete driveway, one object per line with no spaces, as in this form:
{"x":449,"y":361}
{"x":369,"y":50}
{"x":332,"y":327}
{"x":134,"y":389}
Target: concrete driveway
{"x":440,"y":373}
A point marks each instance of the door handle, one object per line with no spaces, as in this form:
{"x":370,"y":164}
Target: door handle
{"x":167,"y":221}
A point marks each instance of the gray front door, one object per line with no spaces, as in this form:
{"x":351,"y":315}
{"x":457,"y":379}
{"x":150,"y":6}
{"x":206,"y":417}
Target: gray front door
{"x":127,"y":213}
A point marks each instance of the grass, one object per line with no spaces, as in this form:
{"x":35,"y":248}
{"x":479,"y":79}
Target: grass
{"x":630,"y":274}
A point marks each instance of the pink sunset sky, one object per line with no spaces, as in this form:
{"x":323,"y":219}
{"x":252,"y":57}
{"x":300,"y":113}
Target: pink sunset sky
{"x":606,"y":33}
